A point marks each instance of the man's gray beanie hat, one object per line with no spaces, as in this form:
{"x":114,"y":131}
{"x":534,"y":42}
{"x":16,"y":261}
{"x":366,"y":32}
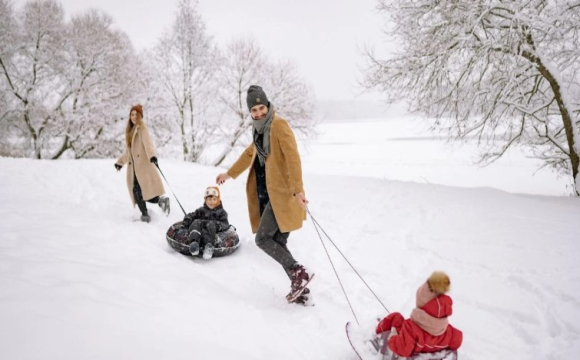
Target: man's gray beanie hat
{"x":256,"y":96}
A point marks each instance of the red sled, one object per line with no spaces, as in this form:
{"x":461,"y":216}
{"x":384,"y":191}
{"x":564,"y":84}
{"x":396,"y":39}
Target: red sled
{"x":376,"y":347}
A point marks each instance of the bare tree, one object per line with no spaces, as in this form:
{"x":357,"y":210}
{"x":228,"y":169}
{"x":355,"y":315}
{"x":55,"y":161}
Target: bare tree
{"x":159,"y":110}
{"x":8,"y":29}
{"x":184,"y":61}
{"x":101,"y":73}
{"x":294,"y":99}
{"x":29,"y":68}
{"x":504,"y":71}
{"x":63,"y":83}
{"x":244,"y":63}
{"x":8,"y":35}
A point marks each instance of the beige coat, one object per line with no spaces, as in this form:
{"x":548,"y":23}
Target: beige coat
{"x":140,"y":153}
{"x":283,"y":178}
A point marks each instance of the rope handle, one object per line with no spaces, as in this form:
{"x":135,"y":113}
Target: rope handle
{"x":164,"y":178}
{"x":317,"y":227}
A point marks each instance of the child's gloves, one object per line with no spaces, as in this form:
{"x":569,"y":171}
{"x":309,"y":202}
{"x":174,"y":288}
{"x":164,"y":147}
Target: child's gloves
{"x":186,"y":222}
{"x":393,"y":332}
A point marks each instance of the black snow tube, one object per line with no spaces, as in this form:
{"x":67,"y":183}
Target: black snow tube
{"x":228,"y":240}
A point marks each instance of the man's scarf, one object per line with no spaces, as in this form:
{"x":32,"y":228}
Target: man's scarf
{"x":262,"y":127}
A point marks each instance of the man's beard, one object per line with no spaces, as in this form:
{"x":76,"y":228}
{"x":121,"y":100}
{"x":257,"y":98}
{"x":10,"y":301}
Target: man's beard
{"x":260,"y":117}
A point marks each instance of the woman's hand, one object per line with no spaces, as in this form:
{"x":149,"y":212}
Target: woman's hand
{"x":118,"y":167}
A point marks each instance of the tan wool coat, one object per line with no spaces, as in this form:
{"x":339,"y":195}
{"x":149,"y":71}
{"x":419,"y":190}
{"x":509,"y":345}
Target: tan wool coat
{"x":283,"y":178}
{"x":137,"y":158}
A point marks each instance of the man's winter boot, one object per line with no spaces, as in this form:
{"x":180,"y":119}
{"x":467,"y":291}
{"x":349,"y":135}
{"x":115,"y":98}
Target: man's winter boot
{"x":194,"y":248}
{"x":299,"y":276}
{"x":208,"y":251}
{"x":145,"y":218}
{"x":303,"y":299}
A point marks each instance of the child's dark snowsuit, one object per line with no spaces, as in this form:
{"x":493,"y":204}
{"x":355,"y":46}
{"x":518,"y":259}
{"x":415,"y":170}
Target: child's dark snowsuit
{"x":204,"y":223}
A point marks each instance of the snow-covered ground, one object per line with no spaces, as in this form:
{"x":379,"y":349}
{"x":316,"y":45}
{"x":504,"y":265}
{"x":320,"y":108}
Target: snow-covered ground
{"x":79,"y":279}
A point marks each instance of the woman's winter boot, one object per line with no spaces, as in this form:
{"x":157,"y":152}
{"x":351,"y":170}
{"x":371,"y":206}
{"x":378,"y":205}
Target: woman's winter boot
{"x":164,"y":204}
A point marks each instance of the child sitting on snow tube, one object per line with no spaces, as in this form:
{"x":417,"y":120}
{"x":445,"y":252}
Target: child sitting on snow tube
{"x":428,"y":330}
{"x":206,"y":229}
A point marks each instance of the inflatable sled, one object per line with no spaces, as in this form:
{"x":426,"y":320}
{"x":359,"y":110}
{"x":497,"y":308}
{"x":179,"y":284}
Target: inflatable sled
{"x":228,"y":240}
{"x":377,"y":349}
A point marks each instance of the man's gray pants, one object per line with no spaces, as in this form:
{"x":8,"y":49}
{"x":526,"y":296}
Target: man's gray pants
{"x":272,"y":241}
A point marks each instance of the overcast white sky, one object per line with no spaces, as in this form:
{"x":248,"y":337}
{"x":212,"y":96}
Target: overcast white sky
{"x":322,"y":37}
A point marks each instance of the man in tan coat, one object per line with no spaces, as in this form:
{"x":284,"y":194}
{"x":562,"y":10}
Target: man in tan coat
{"x":276,"y":200}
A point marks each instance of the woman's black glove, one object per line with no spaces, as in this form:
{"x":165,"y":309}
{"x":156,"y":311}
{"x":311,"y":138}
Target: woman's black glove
{"x":118,"y":167}
{"x":154,"y":160}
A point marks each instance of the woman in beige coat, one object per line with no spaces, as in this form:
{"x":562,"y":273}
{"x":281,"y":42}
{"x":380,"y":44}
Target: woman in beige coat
{"x":143,"y":180}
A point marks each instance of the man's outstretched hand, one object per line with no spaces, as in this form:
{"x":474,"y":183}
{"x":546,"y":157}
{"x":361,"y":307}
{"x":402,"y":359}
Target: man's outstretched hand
{"x":221,"y":178}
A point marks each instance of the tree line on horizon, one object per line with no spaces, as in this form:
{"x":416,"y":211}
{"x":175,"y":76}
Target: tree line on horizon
{"x":66,"y":87}
{"x":506,"y":73}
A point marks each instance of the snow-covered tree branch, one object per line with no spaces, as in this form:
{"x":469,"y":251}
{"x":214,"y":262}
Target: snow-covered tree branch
{"x":184,"y":60}
{"x":64,"y":83}
{"x":243,"y":64}
{"x":505,"y":71}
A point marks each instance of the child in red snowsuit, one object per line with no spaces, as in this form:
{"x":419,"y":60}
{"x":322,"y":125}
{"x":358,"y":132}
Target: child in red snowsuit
{"x":428,"y":329}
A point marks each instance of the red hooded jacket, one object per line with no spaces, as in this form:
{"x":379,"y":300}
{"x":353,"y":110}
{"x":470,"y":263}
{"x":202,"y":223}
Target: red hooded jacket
{"x":413,"y":339}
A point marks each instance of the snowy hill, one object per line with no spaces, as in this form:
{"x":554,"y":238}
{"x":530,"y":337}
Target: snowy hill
{"x":81,"y":280}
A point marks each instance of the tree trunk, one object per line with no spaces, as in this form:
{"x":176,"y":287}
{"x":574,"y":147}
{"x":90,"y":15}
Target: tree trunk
{"x":564,"y":111}
{"x":239,"y":132}
{"x":566,"y":118}
{"x":184,"y":142}
{"x":65,"y":146}
{"x":33,"y":135}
